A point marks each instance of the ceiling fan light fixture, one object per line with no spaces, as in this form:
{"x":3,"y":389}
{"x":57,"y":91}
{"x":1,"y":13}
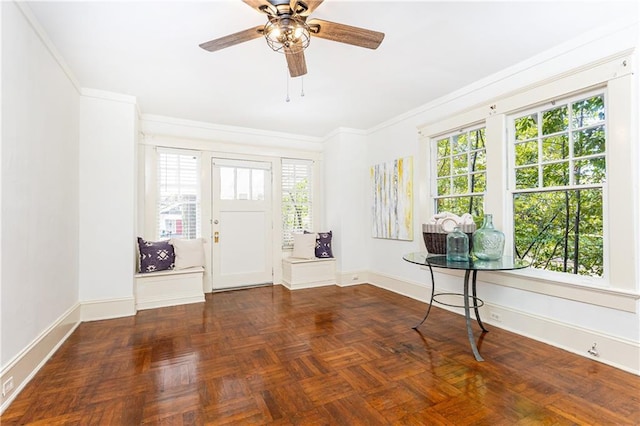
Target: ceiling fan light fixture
{"x":287,"y":32}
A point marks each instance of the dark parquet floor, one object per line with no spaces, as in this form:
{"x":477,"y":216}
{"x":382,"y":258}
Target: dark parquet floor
{"x":325,"y":356}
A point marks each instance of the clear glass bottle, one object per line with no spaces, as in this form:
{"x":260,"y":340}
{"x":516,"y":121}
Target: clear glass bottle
{"x":488,"y":242}
{"x":457,"y":246}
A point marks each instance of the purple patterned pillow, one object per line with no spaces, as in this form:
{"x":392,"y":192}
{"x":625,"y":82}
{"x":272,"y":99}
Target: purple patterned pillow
{"x":323,"y":244}
{"x":155,"y":255}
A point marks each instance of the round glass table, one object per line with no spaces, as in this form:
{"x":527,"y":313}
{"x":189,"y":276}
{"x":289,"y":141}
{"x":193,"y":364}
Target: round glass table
{"x":471,"y":268}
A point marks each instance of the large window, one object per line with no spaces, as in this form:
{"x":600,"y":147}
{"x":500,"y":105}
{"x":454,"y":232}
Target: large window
{"x":296,"y":198}
{"x":557,"y":179}
{"x":459,"y":167}
{"x":178,"y":209}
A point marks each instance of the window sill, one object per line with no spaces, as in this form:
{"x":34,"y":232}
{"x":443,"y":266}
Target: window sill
{"x":614,"y":298}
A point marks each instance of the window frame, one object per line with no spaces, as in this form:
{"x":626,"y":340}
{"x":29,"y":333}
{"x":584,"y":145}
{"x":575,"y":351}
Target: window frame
{"x":620,"y":290}
{"x":571,"y":186}
{"x":287,"y":233}
{"x":198,"y":187}
{"x":435,"y":157}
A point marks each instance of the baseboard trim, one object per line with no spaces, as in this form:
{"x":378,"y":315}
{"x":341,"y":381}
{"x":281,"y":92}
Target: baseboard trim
{"x":95,"y":310}
{"x":620,"y":353}
{"x":31,"y":359}
{"x":308,"y":285}
{"x":346,"y":279}
{"x":616,"y":352}
{"x":162,"y":302}
{"x":412,"y":289}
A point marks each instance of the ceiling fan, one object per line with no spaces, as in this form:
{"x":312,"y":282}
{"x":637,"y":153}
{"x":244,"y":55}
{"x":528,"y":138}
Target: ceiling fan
{"x":288,"y":31}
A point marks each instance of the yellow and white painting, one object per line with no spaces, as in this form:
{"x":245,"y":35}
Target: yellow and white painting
{"x":392,"y":187}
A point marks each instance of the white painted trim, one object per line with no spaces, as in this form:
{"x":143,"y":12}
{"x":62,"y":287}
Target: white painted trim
{"x":299,"y":260}
{"x":344,"y":130}
{"x":600,"y":39}
{"x":161,"y":302}
{"x":620,"y":353}
{"x":31,"y":19}
{"x":169,"y":288}
{"x":213,"y":144}
{"x":109,"y":96}
{"x":170,"y":272}
{"x":151,"y":118}
{"x":314,"y":284}
{"x":413,"y":289}
{"x":95,"y":310}
{"x":607,"y":297}
{"x":308,"y":273}
{"x":349,"y":278}
{"x":29,"y":361}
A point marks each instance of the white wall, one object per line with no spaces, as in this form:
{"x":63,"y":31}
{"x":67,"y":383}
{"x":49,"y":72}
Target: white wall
{"x":517,"y":305}
{"x":345,"y":201}
{"x":39,"y":187}
{"x":69,"y":177}
{"x":211,"y":141}
{"x":108,"y":182}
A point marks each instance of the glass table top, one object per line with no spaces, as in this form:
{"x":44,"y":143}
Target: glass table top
{"x":506,"y":263}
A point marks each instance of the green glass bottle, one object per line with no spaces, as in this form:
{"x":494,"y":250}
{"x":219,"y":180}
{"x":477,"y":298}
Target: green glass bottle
{"x":457,"y":246}
{"x":488,"y":242}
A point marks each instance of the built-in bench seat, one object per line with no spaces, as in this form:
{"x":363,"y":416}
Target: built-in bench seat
{"x":305,"y":273}
{"x":169,"y":288}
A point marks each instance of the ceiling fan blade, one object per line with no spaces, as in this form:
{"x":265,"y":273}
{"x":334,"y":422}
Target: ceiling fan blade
{"x":296,"y":62}
{"x":307,"y":7}
{"x":262,"y":6}
{"x":233,"y":39}
{"x":345,"y":33}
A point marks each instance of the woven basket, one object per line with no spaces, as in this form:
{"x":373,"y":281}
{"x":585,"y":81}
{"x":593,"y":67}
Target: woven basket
{"x":436,"y":242}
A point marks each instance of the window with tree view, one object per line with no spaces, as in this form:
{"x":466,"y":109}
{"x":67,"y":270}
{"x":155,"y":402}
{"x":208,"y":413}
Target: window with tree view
{"x":460,"y":169}
{"x":558,"y":176}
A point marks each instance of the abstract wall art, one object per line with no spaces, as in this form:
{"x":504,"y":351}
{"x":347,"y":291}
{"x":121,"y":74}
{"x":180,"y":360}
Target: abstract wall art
{"x":392,"y":193}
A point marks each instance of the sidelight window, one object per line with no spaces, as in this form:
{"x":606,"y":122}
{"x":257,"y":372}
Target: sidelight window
{"x":178,"y":208}
{"x":297,"y":197}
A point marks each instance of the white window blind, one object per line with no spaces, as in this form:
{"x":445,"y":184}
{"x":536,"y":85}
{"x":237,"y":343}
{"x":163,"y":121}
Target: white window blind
{"x":297,"y":198}
{"x":178,"y":209}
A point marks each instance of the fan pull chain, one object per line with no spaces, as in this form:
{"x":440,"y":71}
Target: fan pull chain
{"x":302,"y":90}
{"x":288,"y":99}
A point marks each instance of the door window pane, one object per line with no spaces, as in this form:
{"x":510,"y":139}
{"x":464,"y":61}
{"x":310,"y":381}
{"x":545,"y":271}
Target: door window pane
{"x":242,"y":184}
{"x":227,"y":183}
{"x":257,"y":184}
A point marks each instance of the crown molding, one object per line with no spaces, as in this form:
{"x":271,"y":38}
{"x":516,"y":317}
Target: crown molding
{"x":44,"y":37}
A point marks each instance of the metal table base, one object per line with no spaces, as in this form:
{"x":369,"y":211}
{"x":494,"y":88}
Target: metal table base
{"x":466,"y":306}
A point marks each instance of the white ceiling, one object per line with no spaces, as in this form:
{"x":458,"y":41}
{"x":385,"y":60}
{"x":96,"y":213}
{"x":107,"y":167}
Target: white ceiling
{"x":150,"y":50}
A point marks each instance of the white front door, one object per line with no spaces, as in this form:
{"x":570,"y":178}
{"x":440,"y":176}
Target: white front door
{"x":241,"y":223}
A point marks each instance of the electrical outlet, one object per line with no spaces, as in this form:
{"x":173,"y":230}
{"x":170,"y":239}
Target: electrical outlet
{"x":495,"y":316}
{"x":7,"y":386}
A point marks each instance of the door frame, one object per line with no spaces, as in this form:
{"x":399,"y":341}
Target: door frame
{"x":276,"y":208}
